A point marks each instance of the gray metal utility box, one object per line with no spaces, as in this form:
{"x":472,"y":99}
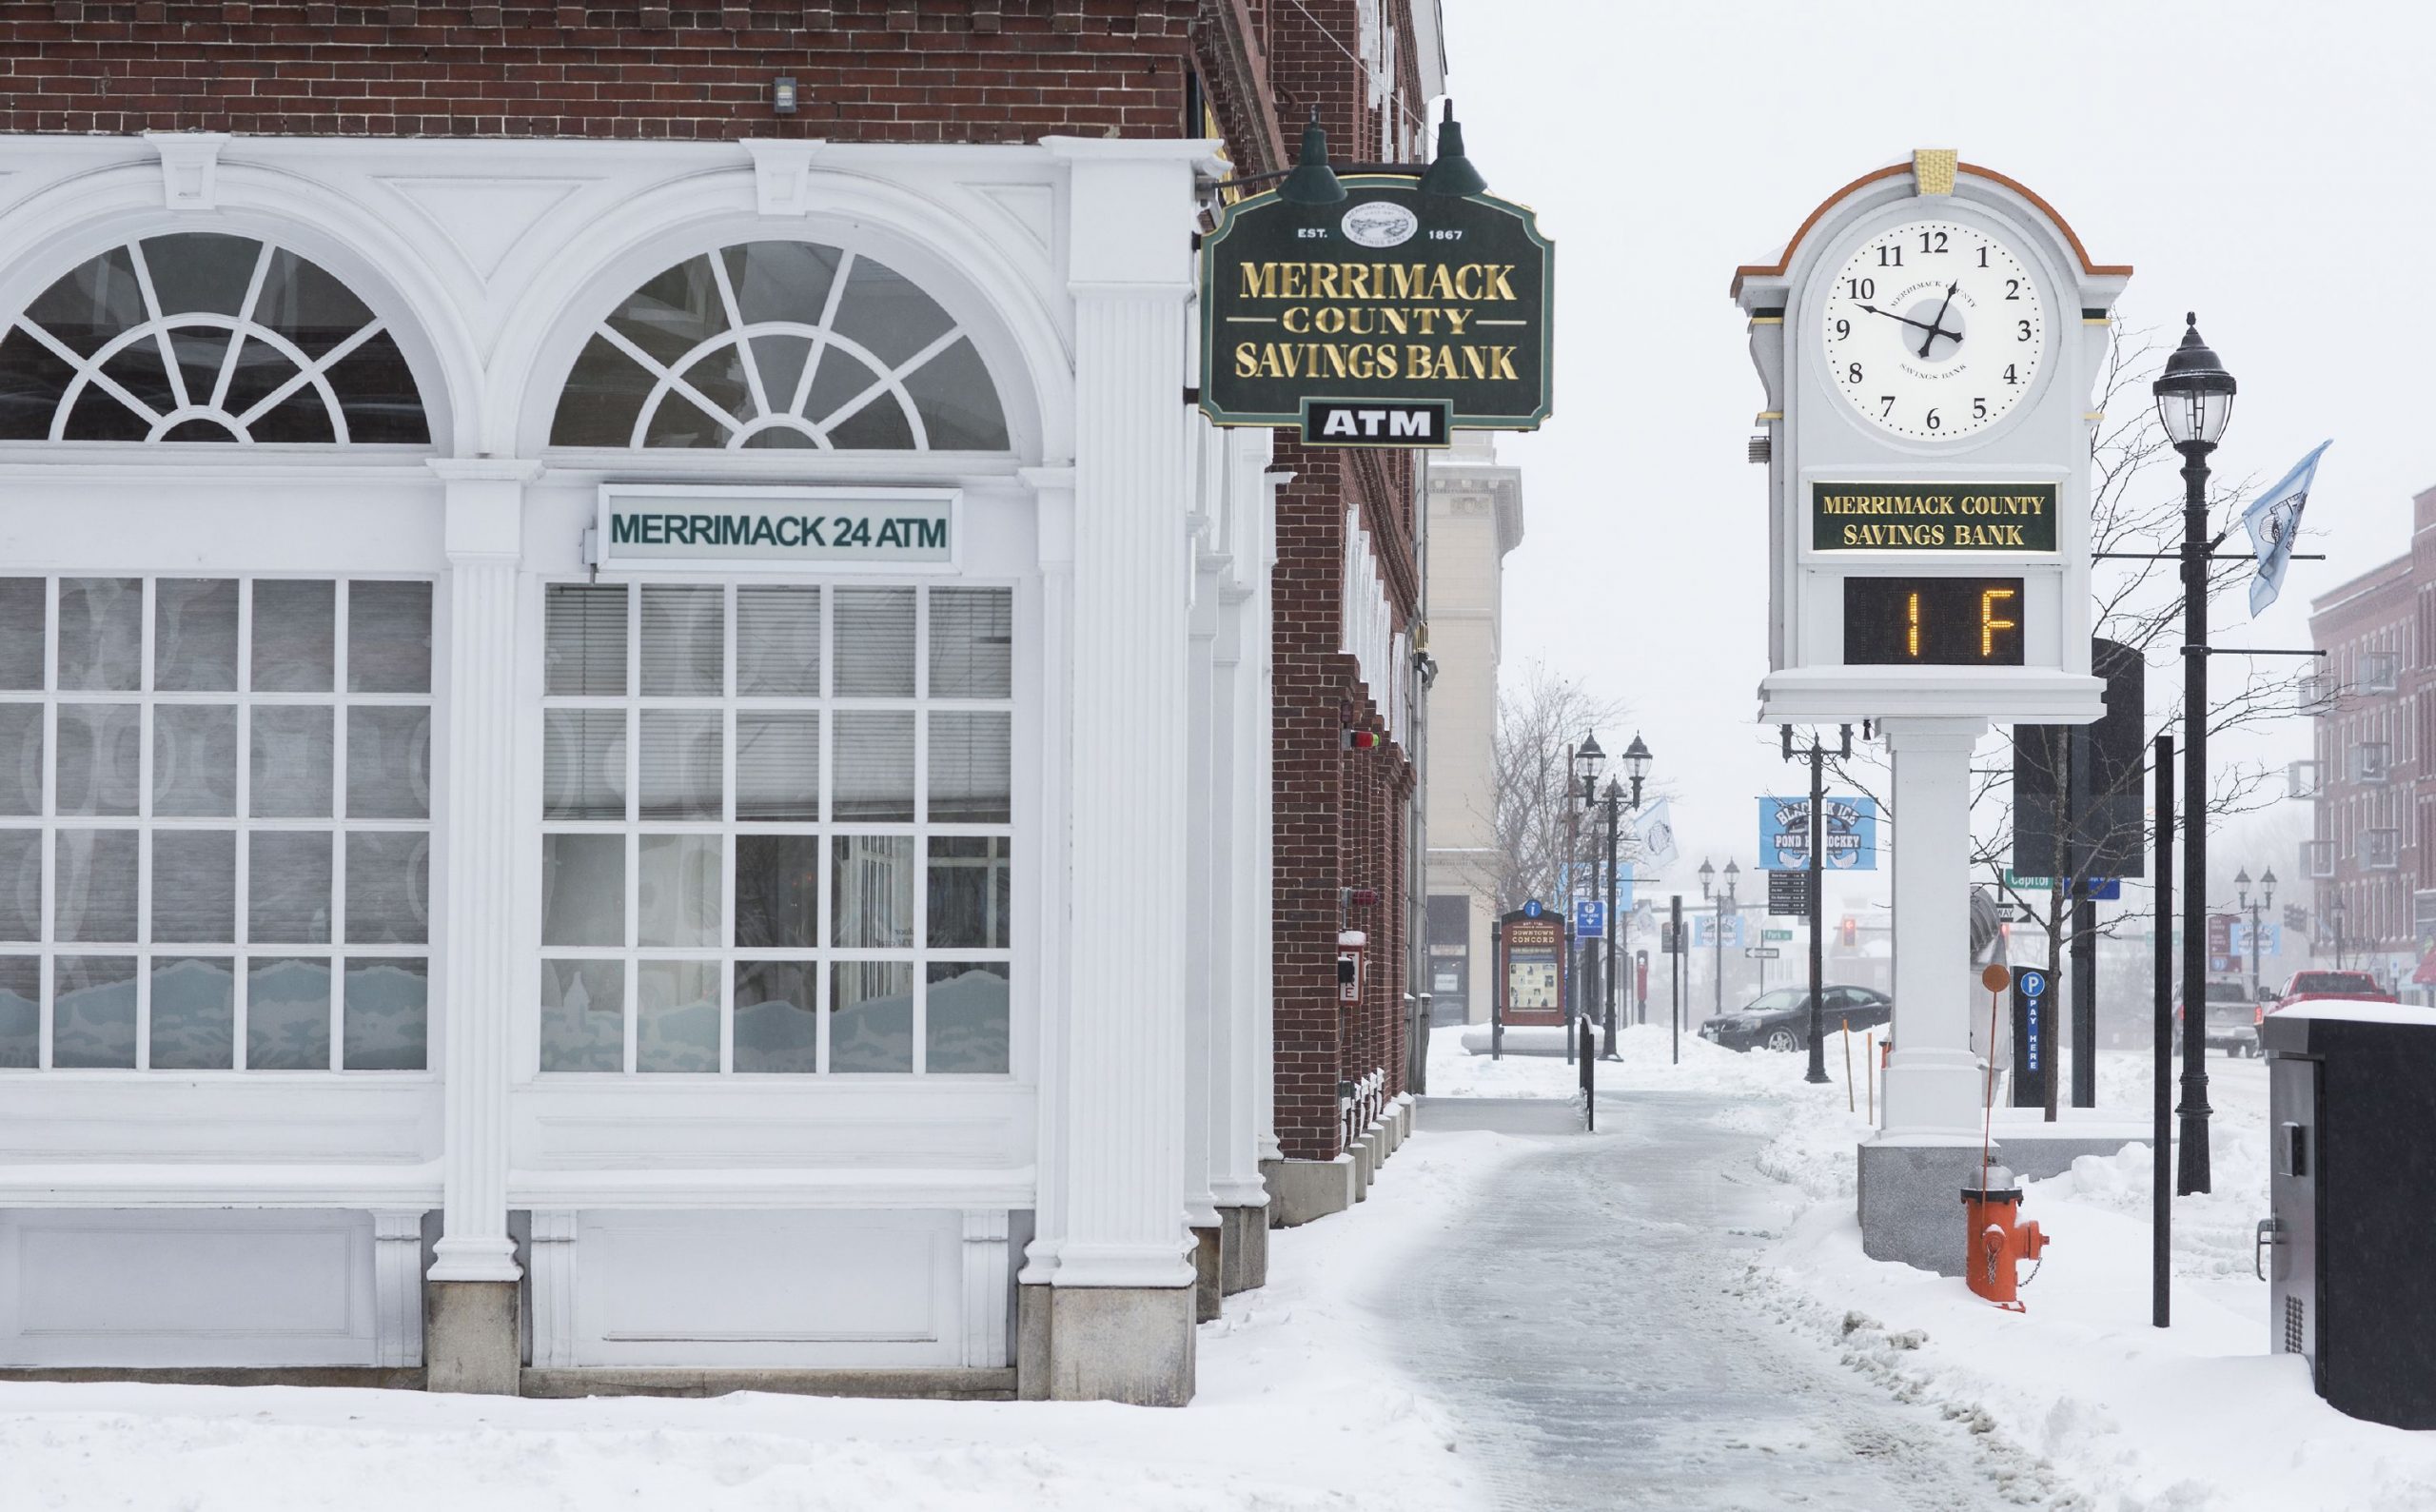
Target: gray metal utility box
{"x":2351,"y":1113}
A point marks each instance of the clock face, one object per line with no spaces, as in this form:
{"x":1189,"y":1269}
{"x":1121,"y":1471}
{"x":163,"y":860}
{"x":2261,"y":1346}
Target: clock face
{"x":1934,"y":330}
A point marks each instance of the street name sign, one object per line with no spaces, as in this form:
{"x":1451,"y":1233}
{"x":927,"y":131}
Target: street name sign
{"x":1392,"y":296}
{"x":1775,"y":934}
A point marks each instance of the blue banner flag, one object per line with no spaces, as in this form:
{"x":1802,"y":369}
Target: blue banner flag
{"x":2273,"y":522}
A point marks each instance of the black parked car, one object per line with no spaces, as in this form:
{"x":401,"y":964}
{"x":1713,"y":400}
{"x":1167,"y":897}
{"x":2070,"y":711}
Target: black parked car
{"x":1781,"y":1020}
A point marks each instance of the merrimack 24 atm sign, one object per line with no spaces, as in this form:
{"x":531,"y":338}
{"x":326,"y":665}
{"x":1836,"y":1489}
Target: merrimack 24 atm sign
{"x":1390,"y":318}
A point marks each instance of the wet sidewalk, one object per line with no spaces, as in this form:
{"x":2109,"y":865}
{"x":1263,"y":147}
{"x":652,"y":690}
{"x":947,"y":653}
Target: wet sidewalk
{"x":1585,"y":1330}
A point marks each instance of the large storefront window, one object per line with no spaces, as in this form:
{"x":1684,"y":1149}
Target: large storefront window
{"x":777,"y":829}
{"x":203,"y":337}
{"x":215,"y":823}
{"x":781,"y":345}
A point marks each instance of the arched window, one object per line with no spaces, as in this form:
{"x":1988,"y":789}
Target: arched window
{"x":204,"y":337}
{"x":781,"y":343}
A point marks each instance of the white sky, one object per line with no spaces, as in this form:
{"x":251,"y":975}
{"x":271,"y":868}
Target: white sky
{"x":2254,"y":161}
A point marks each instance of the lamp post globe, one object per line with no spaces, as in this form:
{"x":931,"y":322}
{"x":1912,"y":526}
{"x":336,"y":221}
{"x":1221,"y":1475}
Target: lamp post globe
{"x":1637,"y":766}
{"x":2195,"y":395}
{"x":2267,"y":882}
{"x":2241,"y":888}
{"x":1588,"y":764}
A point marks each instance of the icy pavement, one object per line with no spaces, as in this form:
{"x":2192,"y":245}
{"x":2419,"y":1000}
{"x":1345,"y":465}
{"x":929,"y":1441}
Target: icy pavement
{"x":1585,"y":1324}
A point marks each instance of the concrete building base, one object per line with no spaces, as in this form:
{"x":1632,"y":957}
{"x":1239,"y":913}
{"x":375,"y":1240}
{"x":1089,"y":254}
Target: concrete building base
{"x":469,"y":1337}
{"x":1132,"y":1345}
{"x":1243,"y":1250}
{"x":1911,"y":1199}
{"x":1209,"y":1271}
{"x":1300,"y":1190}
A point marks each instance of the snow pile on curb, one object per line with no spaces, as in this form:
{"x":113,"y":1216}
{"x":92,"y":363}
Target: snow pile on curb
{"x":2086,"y":1404}
{"x":1299,"y":1410}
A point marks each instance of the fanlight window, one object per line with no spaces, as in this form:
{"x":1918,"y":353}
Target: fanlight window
{"x":204,"y":337}
{"x":781,"y":345}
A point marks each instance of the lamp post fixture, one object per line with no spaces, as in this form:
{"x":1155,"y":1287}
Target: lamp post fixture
{"x":2254,"y":908}
{"x":2335,"y":916}
{"x":2194,"y":400}
{"x":1582,"y":796}
{"x":1637,"y":768}
{"x":1723,"y":897}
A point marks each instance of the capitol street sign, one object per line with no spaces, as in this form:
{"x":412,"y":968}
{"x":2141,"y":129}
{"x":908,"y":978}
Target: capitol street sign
{"x":1391,"y":298}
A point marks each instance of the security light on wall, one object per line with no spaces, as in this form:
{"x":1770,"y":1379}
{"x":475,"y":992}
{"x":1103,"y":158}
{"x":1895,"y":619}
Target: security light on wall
{"x":782,"y":95}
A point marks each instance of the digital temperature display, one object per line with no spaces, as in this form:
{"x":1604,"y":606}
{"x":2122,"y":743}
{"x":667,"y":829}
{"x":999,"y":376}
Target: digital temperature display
{"x":1933,"y":621}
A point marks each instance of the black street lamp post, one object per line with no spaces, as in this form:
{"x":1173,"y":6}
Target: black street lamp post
{"x":2254,"y":907}
{"x":1581,"y":796}
{"x":2194,"y":398}
{"x":1637,"y":768}
{"x":1814,"y":890}
{"x":1723,"y":897}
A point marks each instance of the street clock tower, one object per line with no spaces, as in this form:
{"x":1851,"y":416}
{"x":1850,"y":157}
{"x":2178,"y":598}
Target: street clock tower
{"x":1928,"y":342}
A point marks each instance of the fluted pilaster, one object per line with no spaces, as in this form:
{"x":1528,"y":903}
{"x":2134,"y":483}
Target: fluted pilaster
{"x":484,"y":534}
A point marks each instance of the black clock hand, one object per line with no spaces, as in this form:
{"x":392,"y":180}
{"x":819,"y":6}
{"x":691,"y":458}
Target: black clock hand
{"x":1937,"y":323}
{"x":1905,"y":319}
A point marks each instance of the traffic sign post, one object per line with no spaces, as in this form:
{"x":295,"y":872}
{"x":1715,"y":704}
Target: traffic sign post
{"x":1761,"y":952}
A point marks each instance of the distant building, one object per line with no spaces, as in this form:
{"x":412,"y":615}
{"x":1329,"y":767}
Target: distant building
{"x":1475,"y":519}
{"x":2375,"y":791}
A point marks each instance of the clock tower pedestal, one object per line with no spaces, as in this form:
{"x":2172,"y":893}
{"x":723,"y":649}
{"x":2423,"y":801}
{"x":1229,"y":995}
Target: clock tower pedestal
{"x":1928,"y":1145}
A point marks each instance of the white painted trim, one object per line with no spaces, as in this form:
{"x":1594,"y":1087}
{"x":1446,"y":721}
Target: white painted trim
{"x":985,"y":1287}
{"x":551,"y":1252}
{"x":397,"y":1286}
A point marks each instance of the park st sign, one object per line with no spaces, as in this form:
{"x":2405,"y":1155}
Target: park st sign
{"x":1314,"y":314}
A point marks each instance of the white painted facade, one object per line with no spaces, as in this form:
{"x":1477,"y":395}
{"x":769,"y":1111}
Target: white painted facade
{"x":671,"y":1204}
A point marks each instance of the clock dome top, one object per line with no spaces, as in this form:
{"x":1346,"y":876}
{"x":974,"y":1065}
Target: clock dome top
{"x":1934,"y":172}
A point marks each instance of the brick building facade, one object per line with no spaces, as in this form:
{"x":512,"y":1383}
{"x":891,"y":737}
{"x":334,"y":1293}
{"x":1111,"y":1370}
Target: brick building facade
{"x":2375,"y":728}
{"x":1348,"y":606}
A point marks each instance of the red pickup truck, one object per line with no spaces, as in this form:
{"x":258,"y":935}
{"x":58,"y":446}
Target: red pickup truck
{"x":2357,"y":986}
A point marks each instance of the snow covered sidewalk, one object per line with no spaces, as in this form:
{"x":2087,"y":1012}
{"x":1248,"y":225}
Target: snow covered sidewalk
{"x":1301,"y":1406}
{"x":2196,"y":1418}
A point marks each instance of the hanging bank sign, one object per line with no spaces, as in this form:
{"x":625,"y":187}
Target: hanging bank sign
{"x":1388,"y":318}
{"x":679,"y":528}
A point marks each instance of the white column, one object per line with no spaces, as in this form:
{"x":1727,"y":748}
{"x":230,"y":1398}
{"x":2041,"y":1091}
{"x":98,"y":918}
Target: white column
{"x":1933,"y":1079}
{"x":484,"y":536}
{"x":1205,"y":908}
{"x":1123,"y":1035}
{"x":1053,"y":525}
{"x":1241,"y":782}
{"x":1259,"y":642}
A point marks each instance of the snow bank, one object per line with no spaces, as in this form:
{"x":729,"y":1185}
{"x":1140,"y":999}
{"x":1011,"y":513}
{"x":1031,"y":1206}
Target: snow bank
{"x":1298,"y":1408}
{"x":2089,"y":1398}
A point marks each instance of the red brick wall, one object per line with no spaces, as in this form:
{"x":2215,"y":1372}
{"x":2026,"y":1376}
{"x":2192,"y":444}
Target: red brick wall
{"x":1340,"y":816}
{"x":867,"y":71}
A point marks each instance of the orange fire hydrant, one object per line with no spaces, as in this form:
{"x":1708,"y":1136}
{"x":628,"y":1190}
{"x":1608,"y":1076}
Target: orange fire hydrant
{"x":1996,"y":1240}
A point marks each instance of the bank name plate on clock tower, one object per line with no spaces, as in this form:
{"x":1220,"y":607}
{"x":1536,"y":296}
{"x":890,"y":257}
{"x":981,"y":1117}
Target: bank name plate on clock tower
{"x":1932,"y":517}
